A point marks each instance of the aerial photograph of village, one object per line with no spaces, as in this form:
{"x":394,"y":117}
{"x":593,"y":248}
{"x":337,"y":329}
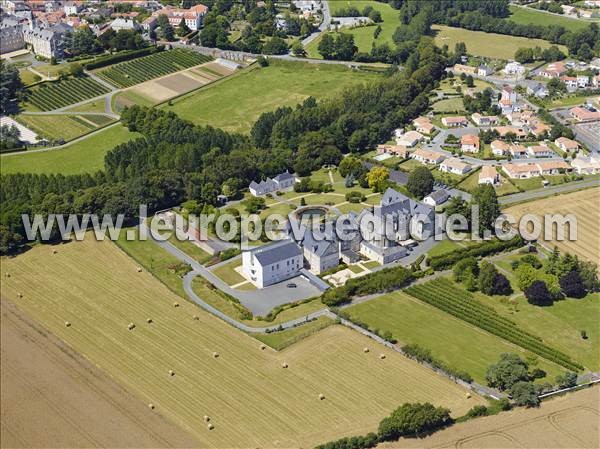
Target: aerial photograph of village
{"x":330,"y":224}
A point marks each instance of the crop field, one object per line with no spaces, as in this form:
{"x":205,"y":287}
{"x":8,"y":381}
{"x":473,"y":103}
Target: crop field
{"x":84,"y":156}
{"x":487,"y":44}
{"x":449,"y":339}
{"x":60,"y":126}
{"x":363,"y":36}
{"x":586,"y":208}
{"x":235,"y":103}
{"x":58,"y":94}
{"x":129,"y":73}
{"x":526,"y":16}
{"x":444,"y":295}
{"x":251,"y":400}
{"x":564,"y":422}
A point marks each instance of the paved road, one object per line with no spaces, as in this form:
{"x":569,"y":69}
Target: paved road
{"x":547,"y":191}
{"x":68,"y":113}
{"x":322,"y":27}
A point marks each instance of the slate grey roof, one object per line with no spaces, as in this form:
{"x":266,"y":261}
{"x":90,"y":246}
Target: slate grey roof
{"x":439,"y":195}
{"x":319,"y":247}
{"x":276,"y":252}
{"x":285,"y":176}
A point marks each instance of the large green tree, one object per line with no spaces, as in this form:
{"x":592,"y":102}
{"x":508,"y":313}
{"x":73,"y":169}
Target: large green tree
{"x":420,"y":182}
{"x":484,"y":196}
{"x":10,"y":85}
{"x":509,"y":370}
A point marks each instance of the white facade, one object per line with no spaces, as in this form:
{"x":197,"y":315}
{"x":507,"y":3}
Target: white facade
{"x":272,"y":263}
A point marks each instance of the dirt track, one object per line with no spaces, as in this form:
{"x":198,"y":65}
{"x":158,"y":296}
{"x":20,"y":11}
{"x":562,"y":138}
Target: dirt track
{"x":569,"y":422}
{"x":53,"y":397}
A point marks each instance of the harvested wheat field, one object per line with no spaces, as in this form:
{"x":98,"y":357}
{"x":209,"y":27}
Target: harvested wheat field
{"x":53,"y":397}
{"x":585,"y":205}
{"x":569,"y":422}
{"x":89,"y":292}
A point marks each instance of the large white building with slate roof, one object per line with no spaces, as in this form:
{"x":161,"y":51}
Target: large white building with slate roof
{"x":272,"y":263}
{"x":48,"y":42}
{"x":282,"y":182}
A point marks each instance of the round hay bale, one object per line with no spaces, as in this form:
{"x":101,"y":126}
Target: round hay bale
{"x":67,"y":324}
{"x":175,"y":304}
{"x":19,"y":295}
{"x":210,"y":426}
{"x":139,"y":269}
{"x":151,"y":406}
{"x":196,"y":317}
{"x":263,"y":347}
{"x":149,"y":320}
{"x":7,"y":275}
{"x":171,"y":372}
{"x":365,"y":350}
{"x":215,"y":355}
{"x":321,"y":396}
{"x":284,"y":365}
{"x":468,"y":395}
{"x":206,"y":418}
{"x":382,"y":356}
{"x":131,"y":326}
{"x":54,"y":251}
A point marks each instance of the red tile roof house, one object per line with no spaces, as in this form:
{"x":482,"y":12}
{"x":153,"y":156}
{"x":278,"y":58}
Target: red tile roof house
{"x":455,"y":166}
{"x":566,"y":144}
{"x":488,"y":175}
{"x":584,"y":115}
{"x":455,"y":122}
{"x":484,"y":120}
{"x":398,"y":150}
{"x":423,"y":125}
{"x":469,"y":143}
{"x":428,"y":157}
{"x":517,"y":151}
{"x":499,"y":148}
{"x":554,"y":70}
{"x":540,"y":151}
{"x":553,"y":167}
{"x":521,"y":171}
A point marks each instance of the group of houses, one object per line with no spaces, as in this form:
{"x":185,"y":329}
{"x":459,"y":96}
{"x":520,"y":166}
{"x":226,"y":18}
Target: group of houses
{"x":560,"y":70}
{"x":389,"y":235}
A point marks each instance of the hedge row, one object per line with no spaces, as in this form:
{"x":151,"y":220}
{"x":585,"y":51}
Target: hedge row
{"x":377,"y":282}
{"x":423,"y":355}
{"x":107,"y":60}
{"x":444,"y":295}
{"x":445,"y":261}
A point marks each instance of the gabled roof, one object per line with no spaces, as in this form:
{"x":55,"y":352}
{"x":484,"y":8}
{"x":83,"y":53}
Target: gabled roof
{"x":276,"y":252}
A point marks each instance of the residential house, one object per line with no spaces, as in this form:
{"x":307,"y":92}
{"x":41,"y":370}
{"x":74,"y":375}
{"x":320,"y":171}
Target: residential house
{"x":72,"y":8}
{"x":521,"y":171}
{"x":586,"y":165}
{"x":427,"y":156}
{"x":410,"y":139}
{"x":48,"y":42}
{"x":423,"y":125}
{"x":150,"y":23}
{"x":516,"y":130}
{"x":567,"y":145}
{"x":540,"y":128}
{"x":583,"y":81}
{"x":436,"y":198}
{"x":469,"y":143}
{"x":321,"y":254}
{"x":554,"y":70}
{"x":584,"y":115}
{"x":508,"y":99}
{"x":539,"y":90}
{"x":499,"y":148}
{"x":553,"y":167}
{"x":570,"y":82}
{"x":484,"y":70}
{"x":281,"y":182}
{"x":193,"y":16}
{"x":455,"y":166}
{"x":488,"y":175}
{"x":514,"y":68}
{"x":517,"y":151}
{"x":485,"y":120}
{"x":455,"y":122}
{"x":11,"y":35}
{"x":539,"y":151}
{"x":272,"y":263}
{"x":596,"y":81}
{"x":396,"y":150}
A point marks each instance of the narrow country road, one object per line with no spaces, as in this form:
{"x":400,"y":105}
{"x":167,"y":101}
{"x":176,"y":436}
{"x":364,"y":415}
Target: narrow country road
{"x":547,"y":191}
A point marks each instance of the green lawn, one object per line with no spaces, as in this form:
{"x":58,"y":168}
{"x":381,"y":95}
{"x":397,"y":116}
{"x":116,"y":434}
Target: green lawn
{"x":487,"y":44}
{"x":472,"y":181}
{"x":526,"y":16}
{"x":191,"y":250}
{"x":453,"y":341}
{"x":55,"y":127}
{"x":283,"y":339}
{"x":363,"y":36}
{"x":447,"y":246}
{"x":228,"y":274}
{"x":236,"y":102}
{"x":28,"y":77}
{"x":449,"y":105}
{"x":85,"y":156}
{"x":528,"y":184}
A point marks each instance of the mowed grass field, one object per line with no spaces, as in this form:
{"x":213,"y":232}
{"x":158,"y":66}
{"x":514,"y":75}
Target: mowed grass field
{"x":449,"y":339}
{"x":67,"y":127}
{"x":487,"y":44}
{"x":526,"y":16}
{"x":585,"y":205}
{"x":85,"y":156}
{"x":251,"y":399}
{"x":363,"y":36}
{"x":235,"y":103}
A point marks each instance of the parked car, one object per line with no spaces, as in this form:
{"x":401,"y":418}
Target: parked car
{"x":291,"y":285}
